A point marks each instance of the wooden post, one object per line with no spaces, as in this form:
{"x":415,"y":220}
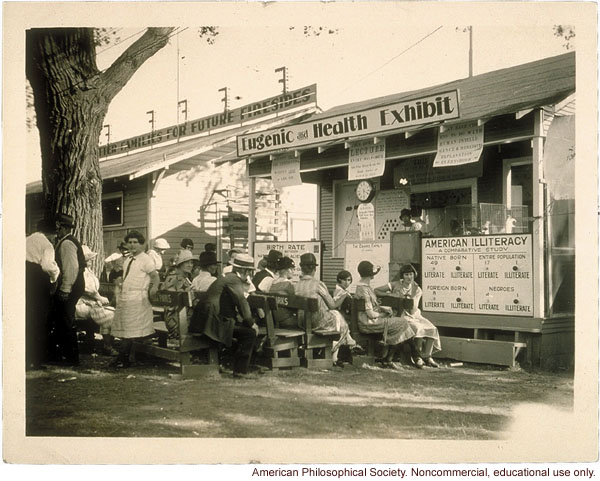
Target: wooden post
{"x":537,"y":147}
{"x":251,"y":211}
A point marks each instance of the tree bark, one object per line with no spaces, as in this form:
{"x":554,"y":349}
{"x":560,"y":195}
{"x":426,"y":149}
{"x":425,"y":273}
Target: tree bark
{"x":71,"y":99}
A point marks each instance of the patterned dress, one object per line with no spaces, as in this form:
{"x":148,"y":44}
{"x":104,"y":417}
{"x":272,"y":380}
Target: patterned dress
{"x":422,"y":326}
{"x":395,"y":330}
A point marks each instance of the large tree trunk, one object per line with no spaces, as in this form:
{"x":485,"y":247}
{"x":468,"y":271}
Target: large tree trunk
{"x":71,"y":98}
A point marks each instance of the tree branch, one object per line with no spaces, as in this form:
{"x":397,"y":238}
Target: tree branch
{"x":119,"y":73}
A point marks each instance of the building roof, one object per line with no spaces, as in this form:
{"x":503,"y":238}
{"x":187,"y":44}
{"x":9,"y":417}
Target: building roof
{"x":509,"y":90}
{"x":218,"y":147}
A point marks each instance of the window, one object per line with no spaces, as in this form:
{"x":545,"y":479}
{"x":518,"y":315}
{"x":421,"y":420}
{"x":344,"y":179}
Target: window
{"x":112,"y":209}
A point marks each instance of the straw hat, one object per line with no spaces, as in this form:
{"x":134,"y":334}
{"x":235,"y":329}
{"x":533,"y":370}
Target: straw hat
{"x":161,"y":244}
{"x":185,"y":256}
{"x":243,"y":261}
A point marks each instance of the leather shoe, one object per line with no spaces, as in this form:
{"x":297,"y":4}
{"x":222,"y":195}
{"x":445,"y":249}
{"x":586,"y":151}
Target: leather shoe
{"x":419,"y":363}
{"x":431,"y":363}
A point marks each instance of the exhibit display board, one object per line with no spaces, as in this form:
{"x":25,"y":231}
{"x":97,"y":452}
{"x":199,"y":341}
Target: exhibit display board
{"x":378,"y":253}
{"x":293,"y":250}
{"x":491,"y":274}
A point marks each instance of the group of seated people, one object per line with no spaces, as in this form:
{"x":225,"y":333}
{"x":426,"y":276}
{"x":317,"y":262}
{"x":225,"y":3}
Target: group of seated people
{"x":225,"y":314}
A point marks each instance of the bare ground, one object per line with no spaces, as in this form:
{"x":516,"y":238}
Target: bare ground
{"x":151,"y":400}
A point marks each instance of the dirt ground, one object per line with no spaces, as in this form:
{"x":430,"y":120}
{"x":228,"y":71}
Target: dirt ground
{"x":151,"y":400}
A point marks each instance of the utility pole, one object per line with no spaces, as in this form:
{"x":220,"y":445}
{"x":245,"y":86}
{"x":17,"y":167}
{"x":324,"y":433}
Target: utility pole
{"x":107,"y":127}
{"x":151,"y":122}
{"x":225,"y":99}
{"x":470,"y":27}
{"x":284,"y":78}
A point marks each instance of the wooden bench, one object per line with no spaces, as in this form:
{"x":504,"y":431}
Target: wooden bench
{"x":317,"y":343}
{"x":188,"y":342}
{"x":281,"y":345}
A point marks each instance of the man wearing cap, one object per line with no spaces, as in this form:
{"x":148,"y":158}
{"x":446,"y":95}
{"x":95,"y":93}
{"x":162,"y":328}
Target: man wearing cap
{"x":41,"y":271}
{"x":226,"y":314}
{"x":208,"y":272}
{"x":70,"y":287}
{"x":263,"y":279}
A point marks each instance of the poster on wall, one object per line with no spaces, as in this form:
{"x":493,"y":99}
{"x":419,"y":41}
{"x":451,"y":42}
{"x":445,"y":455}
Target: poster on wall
{"x":285,"y":170}
{"x":388,"y":205}
{"x":377,"y":253}
{"x":366,"y":221}
{"x":459,"y":144}
{"x":490,"y":274}
{"x":293,"y":250}
{"x":366,"y":159}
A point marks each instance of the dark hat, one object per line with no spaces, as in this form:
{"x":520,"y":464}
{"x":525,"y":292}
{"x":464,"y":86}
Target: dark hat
{"x":406,"y":268}
{"x":208,"y":258}
{"x":273,"y":256}
{"x":123,"y":247}
{"x":308,"y":260}
{"x":405,"y":212}
{"x":366,"y":269}
{"x":285,"y":263}
{"x":65,"y":220}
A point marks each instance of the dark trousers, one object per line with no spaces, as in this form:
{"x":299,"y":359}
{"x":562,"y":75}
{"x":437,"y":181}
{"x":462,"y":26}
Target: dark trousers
{"x":63,"y":335}
{"x":37,"y":299}
{"x":246,"y":336}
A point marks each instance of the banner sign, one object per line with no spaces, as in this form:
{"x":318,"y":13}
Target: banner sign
{"x":490,"y":274}
{"x":408,"y":113}
{"x":419,"y":170}
{"x":366,"y":159}
{"x":293,"y":250}
{"x":256,"y":110}
{"x":285,"y":170}
{"x":459,"y":144}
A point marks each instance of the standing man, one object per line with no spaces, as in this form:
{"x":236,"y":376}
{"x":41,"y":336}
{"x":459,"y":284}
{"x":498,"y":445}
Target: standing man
{"x":70,"y":287}
{"x":226,"y":313}
{"x":41,"y":271}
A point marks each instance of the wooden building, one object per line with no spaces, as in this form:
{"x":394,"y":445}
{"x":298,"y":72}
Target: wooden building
{"x":483,"y":163}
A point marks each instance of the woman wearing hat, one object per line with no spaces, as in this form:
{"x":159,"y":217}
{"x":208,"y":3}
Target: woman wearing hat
{"x":379,"y":319}
{"x":160,"y":247}
{"x":179,"y":280}
{"x":282,"y":284}
{"x":330,"y":318}
{"x":427,"y":338}
{"x":92,"y":305}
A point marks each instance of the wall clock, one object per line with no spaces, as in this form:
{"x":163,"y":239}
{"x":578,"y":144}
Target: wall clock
{"x":365,"y":191}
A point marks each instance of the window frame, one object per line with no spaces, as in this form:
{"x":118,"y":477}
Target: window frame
{"x":114,"y":195}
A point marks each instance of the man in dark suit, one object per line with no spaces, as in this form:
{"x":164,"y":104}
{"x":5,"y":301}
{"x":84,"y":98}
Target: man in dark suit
{"x":71,"y":261}
{"x":226,"y":314}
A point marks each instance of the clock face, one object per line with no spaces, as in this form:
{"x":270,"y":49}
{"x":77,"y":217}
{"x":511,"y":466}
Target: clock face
{"x":365,"y":191}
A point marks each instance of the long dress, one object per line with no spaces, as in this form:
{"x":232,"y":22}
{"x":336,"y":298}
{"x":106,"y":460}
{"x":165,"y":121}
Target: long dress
{"x":133,"y":316}
{"x":330,"y":319}
{"x":90,"y":299}
{"x":395,"y":330}
{"x":422,"y":326}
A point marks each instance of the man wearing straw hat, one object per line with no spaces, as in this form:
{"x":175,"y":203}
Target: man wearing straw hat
{"x":226,"y":314}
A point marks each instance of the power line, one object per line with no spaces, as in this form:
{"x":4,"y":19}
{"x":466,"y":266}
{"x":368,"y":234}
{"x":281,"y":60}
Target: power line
{"x":120,"y":42}
{"x":391,"y":60}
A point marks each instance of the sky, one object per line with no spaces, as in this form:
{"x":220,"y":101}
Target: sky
{"x":357,"y":62}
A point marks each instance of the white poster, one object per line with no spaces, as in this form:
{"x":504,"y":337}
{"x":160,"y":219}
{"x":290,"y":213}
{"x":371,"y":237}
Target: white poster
{"x":481,"y":274}
{"x":378,"y":253}
{"x":292,"y":250}
{"x":285,"y":170}
{"x":366,"y":221}
{"x":459,"y":144}
{"x":366,"y":159}
{"x":388,"y":205}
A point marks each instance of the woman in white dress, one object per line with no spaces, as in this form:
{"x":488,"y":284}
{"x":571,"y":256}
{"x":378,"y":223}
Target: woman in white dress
{"x":133,"y":316}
